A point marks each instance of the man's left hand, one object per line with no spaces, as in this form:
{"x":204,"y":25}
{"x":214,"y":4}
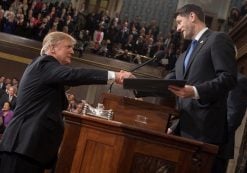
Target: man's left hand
{"x":184,"y":92}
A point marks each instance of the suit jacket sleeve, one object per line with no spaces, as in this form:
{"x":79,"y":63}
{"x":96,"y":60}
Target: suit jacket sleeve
{"x":237,"y":103}
{"x":65,"y":75}
{"x":224,"y":63}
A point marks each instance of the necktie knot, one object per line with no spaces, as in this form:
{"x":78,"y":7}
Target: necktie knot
{"x":194,"y":41}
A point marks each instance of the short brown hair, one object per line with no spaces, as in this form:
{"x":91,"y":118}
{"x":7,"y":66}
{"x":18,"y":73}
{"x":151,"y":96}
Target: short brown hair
{"x":188,"y":8}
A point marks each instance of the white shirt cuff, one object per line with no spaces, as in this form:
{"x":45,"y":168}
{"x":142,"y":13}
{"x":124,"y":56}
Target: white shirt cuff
{"x":111,"y":75}
{"x":196,"y":93}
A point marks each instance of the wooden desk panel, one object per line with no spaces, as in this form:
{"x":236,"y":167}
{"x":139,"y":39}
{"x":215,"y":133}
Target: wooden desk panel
{"x":93,"y":145}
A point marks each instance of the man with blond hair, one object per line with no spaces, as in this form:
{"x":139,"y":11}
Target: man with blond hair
{"x":31,"y":141}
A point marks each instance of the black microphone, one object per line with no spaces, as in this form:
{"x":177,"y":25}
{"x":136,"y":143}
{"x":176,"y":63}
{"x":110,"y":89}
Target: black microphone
{"x":157,"y":56}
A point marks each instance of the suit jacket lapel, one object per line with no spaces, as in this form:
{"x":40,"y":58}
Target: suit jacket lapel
{"x":179,"y":64}
{"x":200,"y":44}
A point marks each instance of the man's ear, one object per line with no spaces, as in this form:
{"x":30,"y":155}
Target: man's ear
{"x":53,"y":49}
{"x":192,"y":16}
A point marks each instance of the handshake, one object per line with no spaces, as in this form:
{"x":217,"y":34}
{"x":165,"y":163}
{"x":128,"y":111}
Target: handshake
{"x":119,"y":76}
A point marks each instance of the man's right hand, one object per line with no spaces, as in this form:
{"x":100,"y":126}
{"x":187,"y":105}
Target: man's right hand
{"x":119,"y":76}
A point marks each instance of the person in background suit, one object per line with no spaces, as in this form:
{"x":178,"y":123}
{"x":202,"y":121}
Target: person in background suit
{"x":236,"y":109}
{"x":2,"y":85}
{"x":31,"y":140}
{"x":210,"y":73}
{"x":9,"y":96}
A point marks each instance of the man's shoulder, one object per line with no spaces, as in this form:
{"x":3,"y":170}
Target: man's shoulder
{"x":46,"y":58}
{"x":41,"y":60}
{"x":218,"y":34}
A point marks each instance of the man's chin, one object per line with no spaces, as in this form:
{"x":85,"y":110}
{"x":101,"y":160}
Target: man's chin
{"x":186,"y":37}
{"x":67,"y":62}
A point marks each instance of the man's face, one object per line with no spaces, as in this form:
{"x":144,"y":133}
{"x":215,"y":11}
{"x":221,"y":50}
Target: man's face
{"x":63,"y":51}
{"x":2,"y":79}
{"x":6,"y":106}
{"x":11,"y":91}
{"x":185,"y":26}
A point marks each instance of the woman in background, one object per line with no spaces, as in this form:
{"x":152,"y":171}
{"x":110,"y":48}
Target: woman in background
{"x":6,"y":114}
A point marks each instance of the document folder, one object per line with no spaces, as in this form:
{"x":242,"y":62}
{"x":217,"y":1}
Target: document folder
{"x":151,"y":85}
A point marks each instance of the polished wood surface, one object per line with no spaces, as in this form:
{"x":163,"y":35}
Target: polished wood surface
{"x":138,"y":111}
{"x":93,"y":145}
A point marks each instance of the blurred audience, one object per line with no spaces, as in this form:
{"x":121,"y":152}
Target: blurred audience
{"x":9,"y":96}
{"x":243,"y":9}
{"x":234,"y":17}
{"x":6,"y":114}
{"x":97,"y":32}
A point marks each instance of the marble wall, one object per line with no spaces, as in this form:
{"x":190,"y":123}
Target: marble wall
{"x":236,"y":3}
{"x":218,"y":8}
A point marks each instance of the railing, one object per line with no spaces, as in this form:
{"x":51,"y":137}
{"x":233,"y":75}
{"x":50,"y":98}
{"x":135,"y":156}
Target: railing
{"x":132,"y":57}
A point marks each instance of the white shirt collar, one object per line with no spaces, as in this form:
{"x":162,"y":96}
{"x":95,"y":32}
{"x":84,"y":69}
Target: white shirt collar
{"x":198,"y":36}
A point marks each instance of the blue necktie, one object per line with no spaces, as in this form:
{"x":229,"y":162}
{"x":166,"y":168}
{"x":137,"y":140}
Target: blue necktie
{"x":189,"y":53}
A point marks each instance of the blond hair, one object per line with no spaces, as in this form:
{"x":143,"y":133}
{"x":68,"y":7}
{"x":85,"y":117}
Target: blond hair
{"x":52,"y":39}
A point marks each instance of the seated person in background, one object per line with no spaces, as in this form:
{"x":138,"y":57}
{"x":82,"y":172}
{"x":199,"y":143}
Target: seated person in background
{"x":6,"y":89}
{"x":15,"y":82}
{"x":72,"y":105}
{"x":71,"y":102}
{"x":234,"y":17}
{"x":10,"y":96}
{"x":79,"y":108}
{"x":83,"y":41}
{"x":6,"y":114}
{"x":98,"y":37}
{"x":103,"y":49}
{"x":2,"y":84}
{"x":243,"y":9}
{"x":7,"y":81}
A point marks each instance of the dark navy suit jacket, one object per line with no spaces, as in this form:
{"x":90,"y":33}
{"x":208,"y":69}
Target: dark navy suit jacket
{"x":212,"y":70}
{"x":37,"y":128}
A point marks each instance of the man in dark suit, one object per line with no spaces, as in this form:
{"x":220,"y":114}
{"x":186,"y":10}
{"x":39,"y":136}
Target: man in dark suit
{"x":209,"y":67}
{"x":31,"y":141}
{"x":236,"y":109}
{"x":2,"y":85}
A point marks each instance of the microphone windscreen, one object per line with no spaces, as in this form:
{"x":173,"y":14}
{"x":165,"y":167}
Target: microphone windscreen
{"x":159,"y":55}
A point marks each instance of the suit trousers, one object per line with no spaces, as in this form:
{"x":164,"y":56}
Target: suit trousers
{"x":17,"y":163}
{"x":219,"y":165}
